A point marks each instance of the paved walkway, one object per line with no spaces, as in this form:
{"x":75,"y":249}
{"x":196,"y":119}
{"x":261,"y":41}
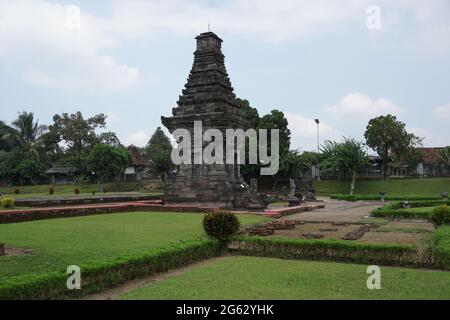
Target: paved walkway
{"x":343,"y":211}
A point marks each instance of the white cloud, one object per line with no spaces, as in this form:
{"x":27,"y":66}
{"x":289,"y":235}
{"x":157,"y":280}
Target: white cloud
{"x":430,"y":139}
{"x":442,"y":113}
{"x":138,"y":139}
{"x":361,"y":105}
{"x":304,"y":132}
{"x":37,"y":46}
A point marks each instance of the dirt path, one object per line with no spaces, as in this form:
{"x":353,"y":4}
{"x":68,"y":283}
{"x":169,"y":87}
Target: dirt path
{"x":116,"y":292}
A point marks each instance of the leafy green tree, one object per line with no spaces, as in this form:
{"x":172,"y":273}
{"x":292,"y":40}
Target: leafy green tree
{"x":387,"y":136}
{"x":26,"y":131}
{"x":5,"y":132}
{"x":107,"y":161}
{"x":345,"y":158}
{"x":250,"y":114}
{"x":159,"y":151}
{"x":76,"y":132}
{"x":444,"y":156}
{"x":276,"y":120}
{"x":20,"y":166}
{"x":78,"y":136}
{"x":293,"y":164}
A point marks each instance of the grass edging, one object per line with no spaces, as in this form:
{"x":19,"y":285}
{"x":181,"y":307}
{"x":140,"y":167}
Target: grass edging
{"x":394,"y":210}
{"x":328,"y":250}
{"x":105,"y":274}
{"x":441,"y":247}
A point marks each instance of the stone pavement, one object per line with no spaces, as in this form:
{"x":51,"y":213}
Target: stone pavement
{"x":334,"y":210}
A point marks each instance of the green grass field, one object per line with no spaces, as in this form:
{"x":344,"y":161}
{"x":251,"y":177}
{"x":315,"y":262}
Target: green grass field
{"x":252,"y":278}
{"x":56,"y":244}
{"x":392,"y":187}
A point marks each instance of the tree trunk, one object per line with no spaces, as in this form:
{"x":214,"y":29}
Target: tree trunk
{"x":352,"y":185}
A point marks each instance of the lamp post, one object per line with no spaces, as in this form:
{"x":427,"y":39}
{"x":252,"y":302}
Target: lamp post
{"x":318,"y":148}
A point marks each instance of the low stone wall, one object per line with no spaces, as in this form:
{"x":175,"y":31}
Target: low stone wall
{"x":2,"y":249}
{"x":70,"y":201}
{"x":278,"y":213}
{"x":13,"y":216}
{"x":268,"y":228}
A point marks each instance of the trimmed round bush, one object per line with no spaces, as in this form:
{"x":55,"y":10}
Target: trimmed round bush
{"x":16,"y":191}
{"x":441,"y":215}
{"x":76,"y":191}
{"x":7,"y":203}
{"x":51,"y":191}
{"x":221,"y":225}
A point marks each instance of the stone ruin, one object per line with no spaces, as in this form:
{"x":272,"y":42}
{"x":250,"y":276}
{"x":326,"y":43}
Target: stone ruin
{"x":208,"y":97}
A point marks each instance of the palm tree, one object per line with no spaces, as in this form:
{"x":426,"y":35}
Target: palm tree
{"x":26,"y":131}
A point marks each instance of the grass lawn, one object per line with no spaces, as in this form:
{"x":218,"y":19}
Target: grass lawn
{"x":58,"y":243}
{"x":392,"y":187}
{"x":264,"y":278}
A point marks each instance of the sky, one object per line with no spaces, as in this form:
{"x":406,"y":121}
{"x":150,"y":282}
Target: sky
{"x":342,"y":61}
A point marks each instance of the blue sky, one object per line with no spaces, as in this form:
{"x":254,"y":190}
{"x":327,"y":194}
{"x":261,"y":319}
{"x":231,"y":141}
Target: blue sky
{"x":131,"y":59}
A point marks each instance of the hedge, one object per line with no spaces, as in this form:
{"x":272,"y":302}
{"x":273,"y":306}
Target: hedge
{"x":441,"y":247}
{"x":100,"y":275}
{"x":358,"y":197}
{"x":329,"y":250}
{"x":394,"y":210}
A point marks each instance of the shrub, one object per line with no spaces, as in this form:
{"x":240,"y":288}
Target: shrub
{"x":51,"y":191}
{"x":103,"y":274}
{"x":329,"y":250}
{"x":395,"y":209}
{"x":441,"y":247}
{"x":7,"y":203}
{"x":76,"y":191}
{"x":93,"y":192}
{"x":441,"y":215}
{"x":16,"y":191}
{"x":221,"y":225}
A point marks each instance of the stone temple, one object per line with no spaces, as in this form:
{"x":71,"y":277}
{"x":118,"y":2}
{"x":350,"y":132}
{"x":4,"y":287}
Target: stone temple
{"x":208,"y":97}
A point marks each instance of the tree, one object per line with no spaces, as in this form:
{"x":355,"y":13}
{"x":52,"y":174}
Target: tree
{"x":276,"y":120}
{"x":107,"y":161}
{"x":444,"y":156}
{"x":159,"y":152}
{"x":78,"y":136}
{"x":19,"y":166}
{"x":26,"y":131}
{"x":5,"y":132}
{"x":387,"y":136}
{"x":250,"y":114}
{"x":77,"y":133}
{"x":293,"y":164}
{"x":341,"y":159}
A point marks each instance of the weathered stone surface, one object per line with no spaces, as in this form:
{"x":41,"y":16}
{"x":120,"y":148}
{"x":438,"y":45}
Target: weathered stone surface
{"x":208,"y":97}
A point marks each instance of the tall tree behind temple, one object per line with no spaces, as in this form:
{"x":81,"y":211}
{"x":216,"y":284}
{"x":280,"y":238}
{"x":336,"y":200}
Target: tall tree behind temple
{"x":250,"y":114}
{"x":276,"y":120}
{"x":158,"y":151}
